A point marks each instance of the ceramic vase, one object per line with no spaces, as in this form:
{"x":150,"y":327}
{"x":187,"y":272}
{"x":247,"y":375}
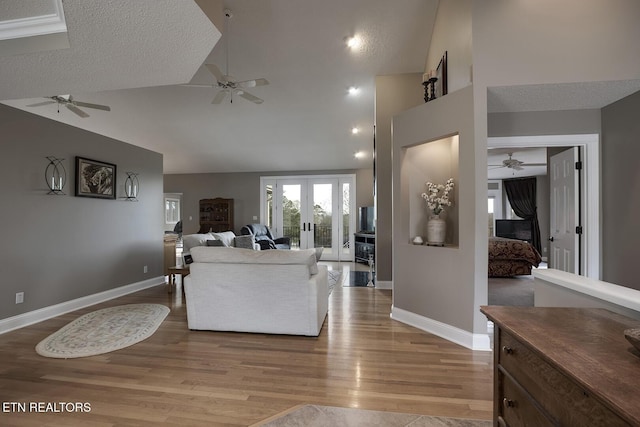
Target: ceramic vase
{"x":436,"y":231}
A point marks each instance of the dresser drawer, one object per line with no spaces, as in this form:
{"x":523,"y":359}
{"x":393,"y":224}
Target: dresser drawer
{"x":516,"y":407}
{"x":563,"y":399}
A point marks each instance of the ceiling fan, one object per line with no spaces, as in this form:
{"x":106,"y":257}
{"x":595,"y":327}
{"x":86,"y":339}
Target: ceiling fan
{"x":227,"y":84}
{"x":514,"y":164}
{"x":71,"y":104}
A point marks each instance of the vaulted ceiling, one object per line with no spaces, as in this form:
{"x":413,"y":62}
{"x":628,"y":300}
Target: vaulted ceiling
{"x":134,"y":56}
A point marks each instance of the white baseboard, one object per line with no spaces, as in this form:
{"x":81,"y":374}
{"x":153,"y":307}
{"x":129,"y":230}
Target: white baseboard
{"x":35,"y":316}
{"x":467,"y":339}
{"x":384,"y":284}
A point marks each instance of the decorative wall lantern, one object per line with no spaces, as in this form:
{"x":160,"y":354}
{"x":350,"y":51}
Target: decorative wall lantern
{"x":56,"y":176}
{"x":131,"y":187}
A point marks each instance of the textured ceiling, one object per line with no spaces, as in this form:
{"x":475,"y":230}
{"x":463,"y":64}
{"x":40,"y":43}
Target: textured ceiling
{"x":562,"y":96}
{"x":114,"y":44}
{"x":298,"y":45}
{"x":21,"y":9}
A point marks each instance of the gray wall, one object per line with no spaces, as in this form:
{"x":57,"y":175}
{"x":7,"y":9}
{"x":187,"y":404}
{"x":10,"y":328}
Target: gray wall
{"x":59,"y":248}
{"x":244,"y":189}
{"x":533,"y":123}
{"x":621,"y":191}
{"x":438,"y":282}
{"x":394,"y":94}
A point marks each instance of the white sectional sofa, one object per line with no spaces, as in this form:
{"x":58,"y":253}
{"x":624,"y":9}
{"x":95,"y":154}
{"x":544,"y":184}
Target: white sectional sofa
{"x":241,"y":290}
{"x":225,"y":238}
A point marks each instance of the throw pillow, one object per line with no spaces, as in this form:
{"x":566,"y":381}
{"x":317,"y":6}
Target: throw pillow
{"x":215,"y":243}
{"x":244,"y":242}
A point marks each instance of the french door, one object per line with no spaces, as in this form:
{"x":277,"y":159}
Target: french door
{"x":313,"y":211}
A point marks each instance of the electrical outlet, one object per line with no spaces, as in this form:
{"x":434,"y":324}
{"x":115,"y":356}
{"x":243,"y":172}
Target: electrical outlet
{"x":255,"y":218}
{"x":145,"y":269}
{"x":19,"y":297}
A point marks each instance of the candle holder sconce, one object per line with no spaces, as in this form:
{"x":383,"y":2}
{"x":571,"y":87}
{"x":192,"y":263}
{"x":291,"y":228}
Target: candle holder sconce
{"x":430,"y":89}
{"x":56,"y":176}
{"x":131,"y":187}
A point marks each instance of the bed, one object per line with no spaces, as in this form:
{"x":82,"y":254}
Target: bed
{"x":510,"y":257}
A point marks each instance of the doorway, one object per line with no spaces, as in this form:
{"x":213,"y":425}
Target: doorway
{"x":172,"y":210}
{"x":589,"y":192}
{"x":313,"y":211}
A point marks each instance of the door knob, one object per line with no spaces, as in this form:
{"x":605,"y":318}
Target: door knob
{"x":551,"y":239}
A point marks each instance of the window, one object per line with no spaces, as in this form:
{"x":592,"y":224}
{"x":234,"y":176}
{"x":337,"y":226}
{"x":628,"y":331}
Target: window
{"x":171,"y":210}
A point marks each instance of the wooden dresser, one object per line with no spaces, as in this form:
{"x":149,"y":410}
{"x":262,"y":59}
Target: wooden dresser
{"x":563,"y":367}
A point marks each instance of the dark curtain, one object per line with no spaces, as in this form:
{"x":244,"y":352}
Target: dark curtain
{"x":522,"y":196}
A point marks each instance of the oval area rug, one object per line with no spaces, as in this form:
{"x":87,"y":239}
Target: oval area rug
{"x":103,"y":331}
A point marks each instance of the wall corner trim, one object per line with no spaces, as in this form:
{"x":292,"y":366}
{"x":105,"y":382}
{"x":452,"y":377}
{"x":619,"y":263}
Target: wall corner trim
{"x":479,"y":342}
{"x":45,"y":313}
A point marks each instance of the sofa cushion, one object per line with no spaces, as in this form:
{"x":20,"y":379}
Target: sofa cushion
{"x":226,"y":237}
{"x":246,"y":256}
{"x":192,"y":240}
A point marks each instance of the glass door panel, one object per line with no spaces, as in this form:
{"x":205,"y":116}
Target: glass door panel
{"x":346,"y":235}
{"x":323,"y":220}
{"x":291,"y":215}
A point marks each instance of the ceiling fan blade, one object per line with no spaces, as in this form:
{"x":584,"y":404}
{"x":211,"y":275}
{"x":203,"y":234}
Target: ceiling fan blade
{"x":216,"y":72}
{"x":89,"y":105}
{"x":249,"y":97}
{"x":198,"y":85}
{"x":76,"y":110}
{"x":253,"y":83}
{"x":41,"y":103}
{"x":220,"y":96}
{"x":491,"y":167}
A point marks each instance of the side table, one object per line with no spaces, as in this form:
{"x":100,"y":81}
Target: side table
{"x":182,"y":270}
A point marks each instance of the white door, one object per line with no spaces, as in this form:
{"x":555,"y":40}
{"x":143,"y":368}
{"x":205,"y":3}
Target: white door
{"x":565,"y":212}
{"x":312,"y":212}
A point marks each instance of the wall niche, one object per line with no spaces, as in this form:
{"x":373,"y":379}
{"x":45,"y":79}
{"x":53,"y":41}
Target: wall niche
{"x":432,"y":161}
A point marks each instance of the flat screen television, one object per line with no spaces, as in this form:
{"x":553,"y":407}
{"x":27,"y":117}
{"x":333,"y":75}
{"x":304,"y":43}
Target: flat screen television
{"x":518,"y":229}
{"x":366,"y":217}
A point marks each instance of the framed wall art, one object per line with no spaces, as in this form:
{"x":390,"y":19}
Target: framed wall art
{"x":441,"y":74}
{"x":95,"y":179}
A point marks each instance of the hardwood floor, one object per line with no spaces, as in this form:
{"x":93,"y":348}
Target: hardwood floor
{"x":361,"y":359}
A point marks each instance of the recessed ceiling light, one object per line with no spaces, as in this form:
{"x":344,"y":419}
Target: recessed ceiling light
{"x":355,"y":130}
{"x":353,"y":90}
{"x":358,"y":154}
{"x":354,"y":42}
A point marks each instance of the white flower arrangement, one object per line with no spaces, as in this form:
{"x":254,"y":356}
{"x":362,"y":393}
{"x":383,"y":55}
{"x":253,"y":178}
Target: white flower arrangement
{"x":437,"y":196}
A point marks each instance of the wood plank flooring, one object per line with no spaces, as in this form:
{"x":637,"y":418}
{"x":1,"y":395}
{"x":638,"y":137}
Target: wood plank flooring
{"x":362,"y":359}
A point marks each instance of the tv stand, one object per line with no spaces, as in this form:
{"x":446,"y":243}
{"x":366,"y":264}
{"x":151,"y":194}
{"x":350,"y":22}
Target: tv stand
{"x":365,"y":245}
